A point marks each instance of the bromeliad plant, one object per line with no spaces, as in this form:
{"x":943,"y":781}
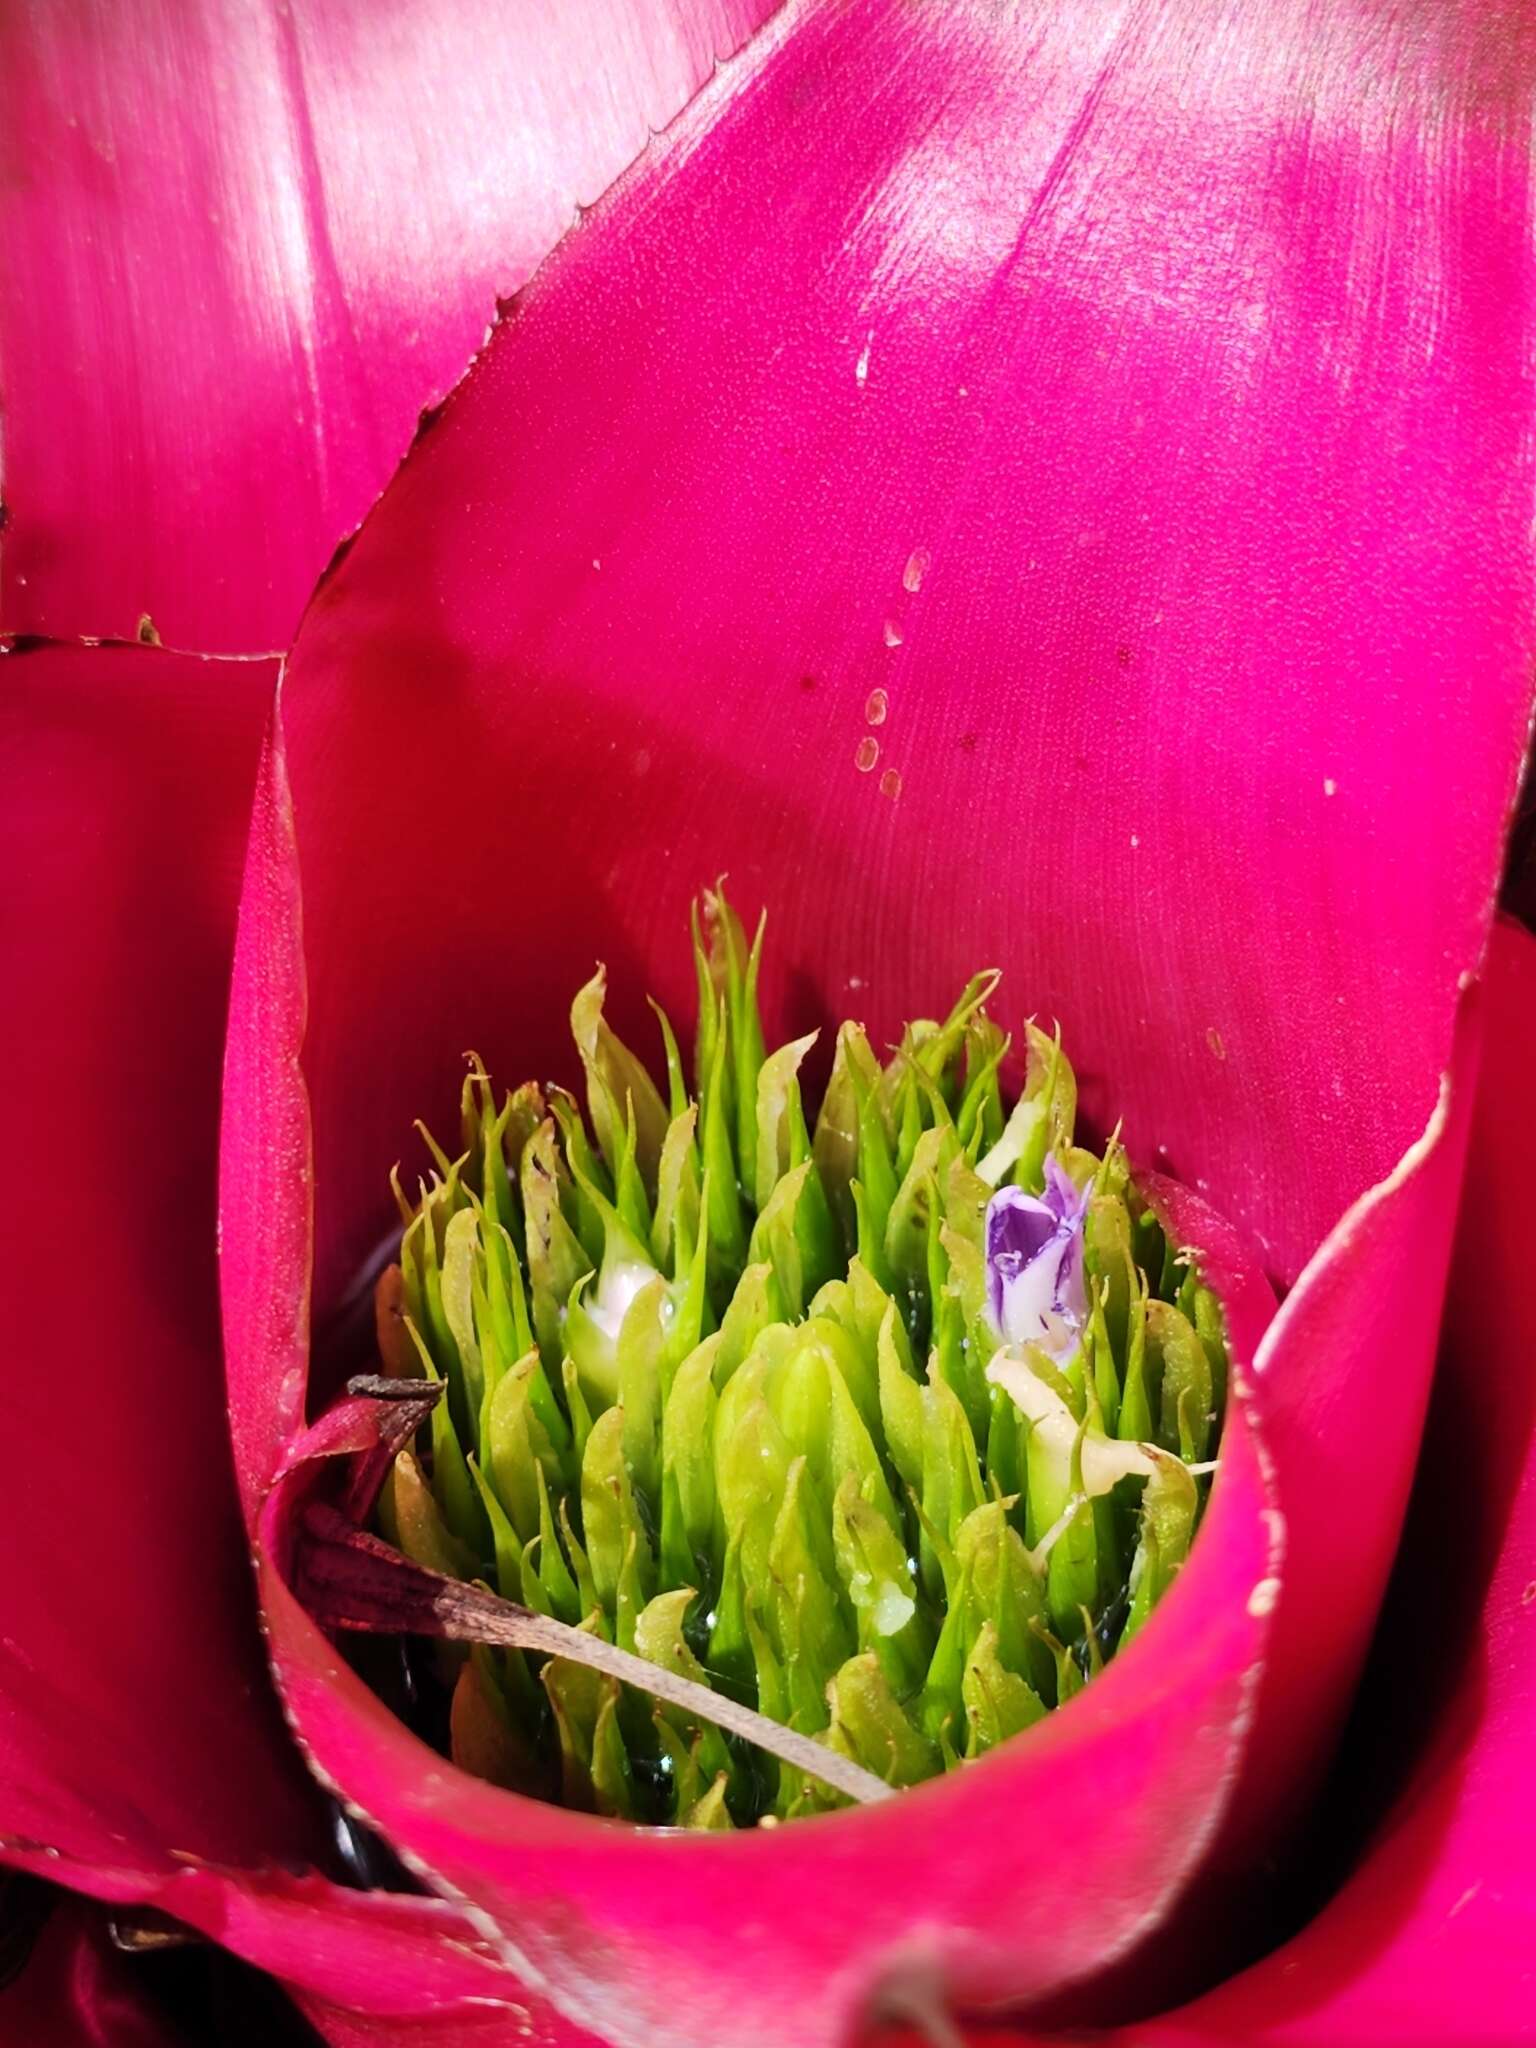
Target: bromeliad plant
{"x":1110,"y":428}
{"x":892,"y":1432}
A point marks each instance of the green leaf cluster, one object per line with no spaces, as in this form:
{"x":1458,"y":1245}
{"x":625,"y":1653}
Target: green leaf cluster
{"x":721,"y":1387}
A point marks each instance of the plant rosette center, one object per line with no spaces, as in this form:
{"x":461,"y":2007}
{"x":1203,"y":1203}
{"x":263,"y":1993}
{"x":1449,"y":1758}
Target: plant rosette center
{"x":744,"y":1465}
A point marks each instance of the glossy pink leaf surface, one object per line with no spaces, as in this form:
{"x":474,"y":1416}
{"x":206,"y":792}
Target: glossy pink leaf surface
{"x":127,"y":775}
{"x":242,"y":246}
{"x":142,"y":1754}
{"x":1432,"y":1938}
{"x":1111,"y":429}
{"x":489,"y":2029}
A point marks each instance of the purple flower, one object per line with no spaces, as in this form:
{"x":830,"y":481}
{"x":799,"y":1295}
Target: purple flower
{"x":1035,"y":1291}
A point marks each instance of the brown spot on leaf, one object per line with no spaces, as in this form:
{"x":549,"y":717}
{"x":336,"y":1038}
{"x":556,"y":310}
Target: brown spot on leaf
{"x":397,"y":1353}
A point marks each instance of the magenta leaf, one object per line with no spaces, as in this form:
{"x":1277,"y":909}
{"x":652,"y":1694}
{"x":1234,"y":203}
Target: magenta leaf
{"x":1096,"y":353}
{"x":241,"y":249}
{"x":126,"y":774}
{"x":516,"y":2026}
{"x":1032,"y":441}
{"x":1041,"y":412}
{"x":1429,"y":1938}
{"x":142,"y":1755}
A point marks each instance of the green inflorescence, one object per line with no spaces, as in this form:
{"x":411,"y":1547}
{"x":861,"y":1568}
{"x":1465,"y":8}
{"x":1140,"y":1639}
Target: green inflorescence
{"x":717,"y":1389}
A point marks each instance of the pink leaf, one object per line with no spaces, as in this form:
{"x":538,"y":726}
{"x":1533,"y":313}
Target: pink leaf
{"x":1116,"y":436}
{"x":142,"y":1755}
{"x":242,"y":247}
{"x":137,"y":1721}
{"x":1430,"y":1939}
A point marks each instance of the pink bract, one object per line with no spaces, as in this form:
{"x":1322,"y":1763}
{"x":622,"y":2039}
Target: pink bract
{"x":1430,"y":1939}
{"x":142,"y":1756}
{"x":1143,"y":476}
{"x":127,"y":773}
{"x":241,"y":247}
